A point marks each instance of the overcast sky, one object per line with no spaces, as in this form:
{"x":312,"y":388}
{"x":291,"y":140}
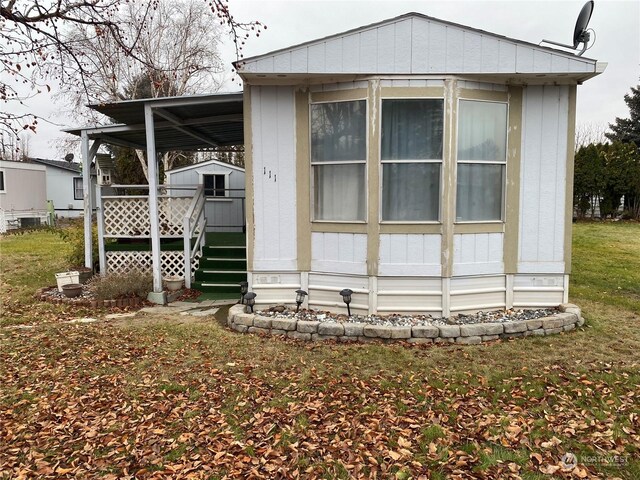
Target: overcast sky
{"x":600,"y":100}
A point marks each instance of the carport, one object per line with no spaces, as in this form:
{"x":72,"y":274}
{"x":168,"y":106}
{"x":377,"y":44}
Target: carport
{"x":193,"y":123}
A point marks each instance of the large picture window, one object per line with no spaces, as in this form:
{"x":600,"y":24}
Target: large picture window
{"x":411,"y":155}
{"x":482,"y":147}
{"x":338,"y":159}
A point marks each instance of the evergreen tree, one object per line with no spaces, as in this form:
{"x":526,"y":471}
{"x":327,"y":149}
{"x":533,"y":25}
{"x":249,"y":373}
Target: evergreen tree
{"x":589,"y":179}
{"x":627,"y":130}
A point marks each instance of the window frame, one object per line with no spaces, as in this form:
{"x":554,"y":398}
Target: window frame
{"x":381,"y":162}
{"x":226,"y":184}
{"x":75,"y":188}
{"x":312,"y":164}
{"x":3,"y":188}
{"x":504,"y":163}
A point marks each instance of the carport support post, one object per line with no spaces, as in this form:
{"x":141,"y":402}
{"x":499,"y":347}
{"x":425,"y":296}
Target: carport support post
{"x":157,"y":296}
{"x":87,"y":157}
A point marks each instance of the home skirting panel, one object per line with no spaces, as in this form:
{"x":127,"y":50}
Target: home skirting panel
{"x":435,"y":296}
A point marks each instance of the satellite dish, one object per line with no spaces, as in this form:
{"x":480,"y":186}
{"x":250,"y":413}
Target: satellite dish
{"x":580,"y":34}
{"x":69,"y":157}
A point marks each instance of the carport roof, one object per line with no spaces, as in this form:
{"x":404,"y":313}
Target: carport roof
{"x":181,"y":123}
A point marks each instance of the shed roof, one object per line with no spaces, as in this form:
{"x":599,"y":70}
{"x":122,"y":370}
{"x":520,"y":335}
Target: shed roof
{"x":418,"y":44}
{"x":205,"y":164}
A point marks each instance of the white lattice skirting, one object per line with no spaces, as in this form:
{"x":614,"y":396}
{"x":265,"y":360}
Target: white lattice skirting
{"x":129,"y":216}
{"x":172,"y":263}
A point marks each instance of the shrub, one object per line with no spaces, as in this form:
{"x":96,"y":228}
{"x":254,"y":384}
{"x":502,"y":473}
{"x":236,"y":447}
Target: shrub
{"x":114,"y":286}
{"x":74,"y":236}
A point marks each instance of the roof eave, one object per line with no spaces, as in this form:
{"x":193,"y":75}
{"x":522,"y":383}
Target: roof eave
{"x":516,"y":78}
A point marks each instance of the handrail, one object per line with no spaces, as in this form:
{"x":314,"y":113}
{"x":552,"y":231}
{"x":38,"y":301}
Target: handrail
{"x":160,"y":187}
{"x":199,"y":208}
{"x":198,"y":198}
{"x":145,"y":196}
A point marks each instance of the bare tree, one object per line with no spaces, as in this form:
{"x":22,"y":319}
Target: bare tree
{"x":590,"y":133}
{"x":14,"y":147}
{"x":37,"y":46}
{"x":176,"y":53}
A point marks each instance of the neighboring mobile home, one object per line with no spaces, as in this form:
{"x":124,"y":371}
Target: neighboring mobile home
{"x":423,"y":164}
{"x":64,"y":186}
{"x":23,"y":195}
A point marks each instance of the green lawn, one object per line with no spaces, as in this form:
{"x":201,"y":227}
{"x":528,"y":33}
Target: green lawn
{"x":606,"y":264}
{"x":156,"y":398}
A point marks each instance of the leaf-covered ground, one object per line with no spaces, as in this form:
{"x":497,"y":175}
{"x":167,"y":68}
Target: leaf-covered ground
{"x":156,"y":398}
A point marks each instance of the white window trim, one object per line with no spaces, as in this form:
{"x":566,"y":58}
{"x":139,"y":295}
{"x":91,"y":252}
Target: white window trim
{"x":226,"y":174}
{"x":365,"y":162}
{"x":503,"y":208}
{"x":74,"y":188}
{"x":4,"y":180}
{"x":441,"y":162}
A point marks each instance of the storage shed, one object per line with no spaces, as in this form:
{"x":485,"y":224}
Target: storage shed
{"x":223,"y":191}
{"x":423,"y":164}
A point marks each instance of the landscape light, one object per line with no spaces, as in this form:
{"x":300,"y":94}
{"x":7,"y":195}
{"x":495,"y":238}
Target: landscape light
{"x":244,"y":288}
{"x":346,"y":298}
{"x":300,"y":294}
{"x":250,"y":298}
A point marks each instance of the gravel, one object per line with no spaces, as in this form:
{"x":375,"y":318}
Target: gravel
{"x":494,"y":316}
{"x":86,"y":294}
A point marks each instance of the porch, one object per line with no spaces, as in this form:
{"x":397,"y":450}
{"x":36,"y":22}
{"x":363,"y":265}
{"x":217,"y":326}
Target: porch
{"x":164,"y":228}
{"x":213,"y":262}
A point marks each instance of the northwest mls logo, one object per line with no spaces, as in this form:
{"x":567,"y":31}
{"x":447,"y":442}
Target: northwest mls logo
{"x":569,"y":461}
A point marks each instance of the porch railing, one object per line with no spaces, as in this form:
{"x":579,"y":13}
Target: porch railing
{"x":127,"y":216}
{"x":182,"y":215}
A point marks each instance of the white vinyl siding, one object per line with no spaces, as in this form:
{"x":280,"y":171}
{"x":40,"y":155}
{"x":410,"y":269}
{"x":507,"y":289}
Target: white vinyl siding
{"x":339,"y":252}
{"x":274,"y":178}
{"x":478,"y":254}
{"x":543,"y":179}
{"x":417,"y":44}
{"x":410,"y":254}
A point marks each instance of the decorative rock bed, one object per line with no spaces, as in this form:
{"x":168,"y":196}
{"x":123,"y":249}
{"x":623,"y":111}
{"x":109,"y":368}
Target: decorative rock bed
{"x":568,"y":318}
{"x":86,"y":299}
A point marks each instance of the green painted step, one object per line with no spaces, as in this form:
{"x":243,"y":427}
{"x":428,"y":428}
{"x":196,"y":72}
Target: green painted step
{"x":222,"y":267}
{"x":218,"y":288}
{"x":221,"y":263}
{"x":226,"y":251}
{"x":220,"y":276}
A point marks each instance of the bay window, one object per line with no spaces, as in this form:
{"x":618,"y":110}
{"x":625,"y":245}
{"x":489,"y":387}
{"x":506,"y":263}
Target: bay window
{"x":338,"y":160}
{"x":482,"y":154}
{"x":411,"y":156}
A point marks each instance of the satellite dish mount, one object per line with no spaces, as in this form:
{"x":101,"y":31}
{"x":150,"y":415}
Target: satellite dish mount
{"x":580,"y":33}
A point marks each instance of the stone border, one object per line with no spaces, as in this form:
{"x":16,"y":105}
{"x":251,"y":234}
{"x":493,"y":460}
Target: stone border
{"x":471,"y":334}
